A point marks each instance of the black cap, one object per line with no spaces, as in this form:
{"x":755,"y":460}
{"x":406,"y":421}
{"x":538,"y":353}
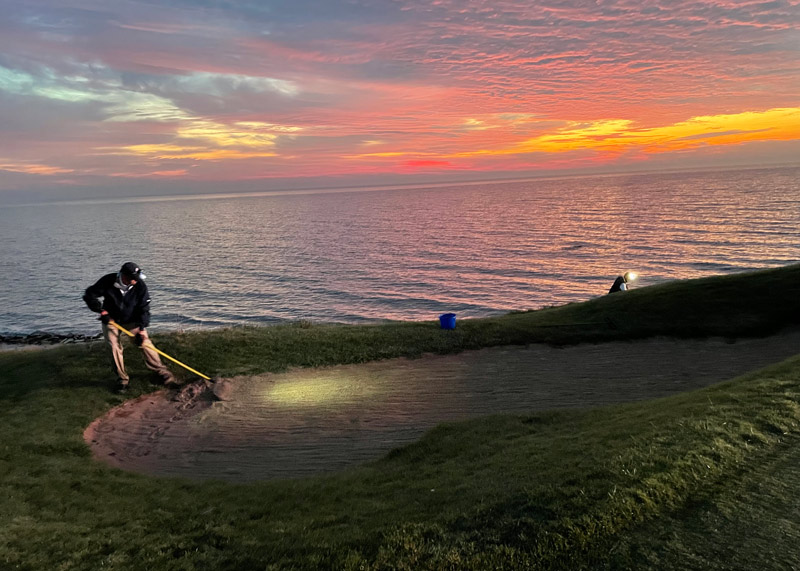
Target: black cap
{"x":131,"y":270}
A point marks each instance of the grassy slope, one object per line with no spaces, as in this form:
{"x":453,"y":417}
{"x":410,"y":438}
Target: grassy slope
{"x":552,"y":490}
{"x":751,"y":520}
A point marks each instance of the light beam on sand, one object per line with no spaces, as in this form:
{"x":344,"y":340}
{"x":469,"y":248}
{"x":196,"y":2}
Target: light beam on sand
{"x":324,"y":390}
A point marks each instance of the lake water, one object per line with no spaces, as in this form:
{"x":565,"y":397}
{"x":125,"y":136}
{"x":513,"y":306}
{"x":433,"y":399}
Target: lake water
{"x":411,"y":253}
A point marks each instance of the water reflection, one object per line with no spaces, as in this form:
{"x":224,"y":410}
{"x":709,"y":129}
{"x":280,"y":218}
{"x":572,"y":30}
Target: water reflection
{"x":474,"y":250}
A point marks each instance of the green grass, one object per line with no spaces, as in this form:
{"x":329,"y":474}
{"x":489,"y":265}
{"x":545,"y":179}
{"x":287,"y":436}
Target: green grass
{"x":624,"y":486}
{"x":750,"y":520}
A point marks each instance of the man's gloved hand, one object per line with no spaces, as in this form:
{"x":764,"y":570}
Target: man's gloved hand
{"x":105,"y":317}
{"x":139,"y":339}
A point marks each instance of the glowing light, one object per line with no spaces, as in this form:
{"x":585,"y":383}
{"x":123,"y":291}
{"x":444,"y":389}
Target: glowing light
{"x":329,"y":389}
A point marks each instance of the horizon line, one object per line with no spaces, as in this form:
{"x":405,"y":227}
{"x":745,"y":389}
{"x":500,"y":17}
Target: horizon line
{"x":386,"y":187}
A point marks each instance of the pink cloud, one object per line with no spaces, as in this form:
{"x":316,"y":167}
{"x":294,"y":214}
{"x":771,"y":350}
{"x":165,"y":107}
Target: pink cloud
{"x":404,"y":87}
{"x":426,"y":164}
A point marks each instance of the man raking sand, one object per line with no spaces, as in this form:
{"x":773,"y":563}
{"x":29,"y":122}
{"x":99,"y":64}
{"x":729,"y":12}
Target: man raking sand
{"x":218,"y":385}
{"x":123,"y":302}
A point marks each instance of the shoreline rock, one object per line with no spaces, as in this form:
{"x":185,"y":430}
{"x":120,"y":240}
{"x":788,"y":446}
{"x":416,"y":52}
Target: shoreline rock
{"x":47,"y":338}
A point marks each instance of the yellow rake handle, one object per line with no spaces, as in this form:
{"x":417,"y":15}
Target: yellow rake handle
{"x":153,"y":347}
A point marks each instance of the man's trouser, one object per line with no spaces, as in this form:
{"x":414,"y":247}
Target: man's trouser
{"x":113,"y":337}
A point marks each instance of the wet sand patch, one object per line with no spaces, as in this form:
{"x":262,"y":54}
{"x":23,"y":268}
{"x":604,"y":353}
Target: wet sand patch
{"x":311,"y":421}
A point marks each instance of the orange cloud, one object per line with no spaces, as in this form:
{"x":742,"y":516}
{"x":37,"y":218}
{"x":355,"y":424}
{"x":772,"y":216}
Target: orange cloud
{"x":164,"y":174}
{"x":35,"y":169}
{"x":619,"y":135}
{"x":179,"y":172}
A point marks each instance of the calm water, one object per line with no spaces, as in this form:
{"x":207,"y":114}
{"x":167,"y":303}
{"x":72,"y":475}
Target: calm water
{"x":474,"y":250}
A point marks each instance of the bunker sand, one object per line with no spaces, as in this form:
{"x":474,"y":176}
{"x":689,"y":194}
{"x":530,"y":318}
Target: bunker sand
{"x":314,"y":421}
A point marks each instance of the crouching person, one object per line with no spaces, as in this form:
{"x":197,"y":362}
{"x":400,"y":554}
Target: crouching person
{"x":122,"y":298}
{"x":621,"y":283}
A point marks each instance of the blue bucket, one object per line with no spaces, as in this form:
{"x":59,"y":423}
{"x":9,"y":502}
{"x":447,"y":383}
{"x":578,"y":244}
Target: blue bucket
{"x":448,"y":320}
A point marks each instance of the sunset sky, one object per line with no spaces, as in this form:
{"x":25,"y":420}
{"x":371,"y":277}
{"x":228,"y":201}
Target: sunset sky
{"x":114,"y":96}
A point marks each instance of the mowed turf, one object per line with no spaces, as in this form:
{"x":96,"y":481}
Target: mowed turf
{"x":652,"y":484}
{"x":750,"y":520}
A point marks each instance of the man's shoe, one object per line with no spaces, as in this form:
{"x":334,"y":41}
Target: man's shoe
{"x":122,"y":388}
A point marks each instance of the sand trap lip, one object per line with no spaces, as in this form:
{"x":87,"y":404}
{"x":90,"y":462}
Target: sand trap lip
{"x":157,"y":410}
{"x":311,"y":421}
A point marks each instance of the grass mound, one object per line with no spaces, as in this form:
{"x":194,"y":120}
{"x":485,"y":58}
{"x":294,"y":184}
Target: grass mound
{"x":552,"y":490}
{"x":573,"y":481}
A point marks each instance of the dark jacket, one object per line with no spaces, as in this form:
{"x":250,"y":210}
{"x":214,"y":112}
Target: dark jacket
{"x":617,"y":285}
{"x":133,"y":307}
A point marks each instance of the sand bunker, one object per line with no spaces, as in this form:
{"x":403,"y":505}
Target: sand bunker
{"x":311,"y":421}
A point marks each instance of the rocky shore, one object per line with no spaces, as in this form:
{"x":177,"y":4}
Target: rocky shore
{"x":46,"y":338}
